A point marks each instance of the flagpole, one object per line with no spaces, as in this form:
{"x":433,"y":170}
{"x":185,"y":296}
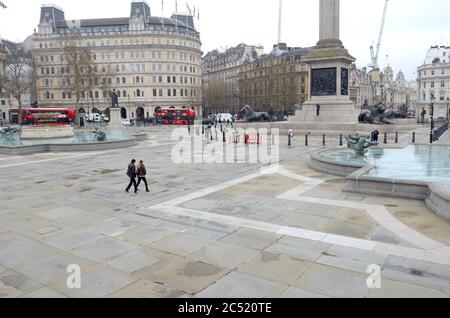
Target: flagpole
{"x":162,"y":14}
{"x":176,"y":18}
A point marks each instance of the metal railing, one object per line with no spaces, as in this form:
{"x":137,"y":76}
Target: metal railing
{"x":438,"y":132}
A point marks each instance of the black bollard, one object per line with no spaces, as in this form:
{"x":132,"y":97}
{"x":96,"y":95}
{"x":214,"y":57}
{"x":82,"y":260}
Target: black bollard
{"x":340,"y":140}
{"x":189,"y":129}
{"x":385,"y":138}
{"x":396,"y":137}
{"x":221,"y":128}
{"x":203,"y":130}
{"x":306,"y":140}
{"x":323,"y":140}
{"x":431,"y":138}
{"x":414,"y":138}
{"x":257,"y":136}
{"x":224,"y":137}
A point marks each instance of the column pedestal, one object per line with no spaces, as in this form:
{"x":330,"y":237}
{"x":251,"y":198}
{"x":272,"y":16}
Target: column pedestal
{"x":115,"y":120}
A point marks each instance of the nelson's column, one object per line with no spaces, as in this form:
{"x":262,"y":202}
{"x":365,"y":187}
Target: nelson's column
{"x":329,"y":63}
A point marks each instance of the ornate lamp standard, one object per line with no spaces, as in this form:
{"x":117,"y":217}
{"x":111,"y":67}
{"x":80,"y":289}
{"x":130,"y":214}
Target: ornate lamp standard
{"x":432,"y":118}
{"x":448,"y":102}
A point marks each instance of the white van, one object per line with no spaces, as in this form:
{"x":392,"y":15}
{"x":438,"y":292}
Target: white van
{"x":225,"y":118}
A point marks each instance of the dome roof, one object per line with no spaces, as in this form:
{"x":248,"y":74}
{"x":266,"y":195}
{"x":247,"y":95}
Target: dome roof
{"x":400,"y":76}
{"x":388,"y":70}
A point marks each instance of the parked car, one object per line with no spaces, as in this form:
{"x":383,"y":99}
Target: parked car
{"x":225,"y":118}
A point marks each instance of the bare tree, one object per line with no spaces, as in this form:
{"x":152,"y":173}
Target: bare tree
{"x":80,"y":74}
{"x":17,"y":79}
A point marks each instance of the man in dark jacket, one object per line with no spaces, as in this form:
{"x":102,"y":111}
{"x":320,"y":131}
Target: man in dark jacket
{"x":131,"y":173}
{"x":141,"y":173}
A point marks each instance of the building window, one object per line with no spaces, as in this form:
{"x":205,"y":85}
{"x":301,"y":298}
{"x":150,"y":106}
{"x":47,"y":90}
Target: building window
{"x":442,"y":84}
{"x":155,"y":93}
{"x":124,"y":93}
{"x":169,"y":92}
{"x":432,"y":84}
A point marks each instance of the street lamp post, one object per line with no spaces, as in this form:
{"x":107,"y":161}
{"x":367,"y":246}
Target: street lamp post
{"x":448,"y":102}
{"x":432,"y":118}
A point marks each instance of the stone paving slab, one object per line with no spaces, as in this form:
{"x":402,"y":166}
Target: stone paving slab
{"x":254,"y":239}
{"x":14,"y":256}
{"x":180,"y":244}
{"x":299,"y":248}
{"x":104,"y":250}
{"x":224,"y":255}
{"x":334,"y":282}
{"x":277,"y":268}
{"x":188,"y":275}
{"x":237,"y":285}
{"x":147,"y":289}
{"x":72,"y":239}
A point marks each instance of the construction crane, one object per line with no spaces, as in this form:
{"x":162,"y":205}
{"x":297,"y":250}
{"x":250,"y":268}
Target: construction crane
{"x":2,"y":5}
{"x":374,"y":55}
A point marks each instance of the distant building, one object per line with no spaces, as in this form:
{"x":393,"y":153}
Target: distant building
{"x":7,"y":102}
{"x":220,"y":77}
{"x":433,"y":80}
{"x":394,"y":89}
{"x":360,"y":87}
{"x":277,"y":82}
{"x":150,"y":61}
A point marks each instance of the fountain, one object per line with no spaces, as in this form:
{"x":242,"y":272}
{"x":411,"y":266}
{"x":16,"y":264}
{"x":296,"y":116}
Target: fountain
{"x":414,"y":172}
{"x":360,"y":144}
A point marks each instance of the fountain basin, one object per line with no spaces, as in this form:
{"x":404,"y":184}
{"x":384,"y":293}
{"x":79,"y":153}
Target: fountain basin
{"x":46,"y":132}
{"x":415,"y":172}
{"x":80,"y":141}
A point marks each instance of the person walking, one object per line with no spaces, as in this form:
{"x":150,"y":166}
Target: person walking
{"x":422,"y":115}
{"x":141,"y":174}
{"x":131,"y":173}
{"x":318,"y":110}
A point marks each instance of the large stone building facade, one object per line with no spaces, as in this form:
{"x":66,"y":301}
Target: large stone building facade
{"x":433,"y":81}
{"x":220,"y":77}
{"x":149,"y":61}
{"x":371,"y":87}
{"x":277,"y":82}
{"x":360,"y":88}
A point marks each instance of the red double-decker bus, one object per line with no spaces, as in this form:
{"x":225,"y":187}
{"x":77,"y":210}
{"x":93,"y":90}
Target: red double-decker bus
{"x":45,"y":116}
{"x":175,"y":116}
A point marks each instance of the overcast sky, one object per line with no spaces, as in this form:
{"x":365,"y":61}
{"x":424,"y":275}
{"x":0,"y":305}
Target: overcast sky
{"x":412,"y":26}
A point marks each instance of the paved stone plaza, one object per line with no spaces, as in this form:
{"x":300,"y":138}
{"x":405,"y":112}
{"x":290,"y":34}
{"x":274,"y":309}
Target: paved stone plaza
{"x":208,"y":230}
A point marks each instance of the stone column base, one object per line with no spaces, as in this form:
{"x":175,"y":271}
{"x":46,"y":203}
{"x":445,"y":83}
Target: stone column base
{"x":331,"y":111}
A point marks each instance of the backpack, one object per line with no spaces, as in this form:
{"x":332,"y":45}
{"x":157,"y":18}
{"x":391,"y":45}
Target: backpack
{"x":130,"y":171}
